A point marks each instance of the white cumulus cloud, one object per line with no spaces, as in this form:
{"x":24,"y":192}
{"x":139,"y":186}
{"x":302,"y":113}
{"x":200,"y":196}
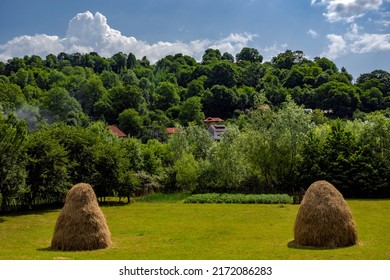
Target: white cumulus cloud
{"x":347,"y":10}
{"x":88,"y":32}
{"x":337,"y":46}
{"x":354,"y":41}
{"x":312,"y":33}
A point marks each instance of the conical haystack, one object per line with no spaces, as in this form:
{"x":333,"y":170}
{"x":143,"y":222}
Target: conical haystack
{"x":324,"y":218}
{"x":81,"y":224}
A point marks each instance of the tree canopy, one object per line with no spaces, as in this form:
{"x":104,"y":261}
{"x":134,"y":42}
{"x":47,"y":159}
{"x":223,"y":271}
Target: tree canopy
{"x":289,"y":121}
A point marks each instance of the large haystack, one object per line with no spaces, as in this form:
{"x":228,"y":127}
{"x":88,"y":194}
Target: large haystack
{"x":81,"y":224}
{"x":324,"y":218}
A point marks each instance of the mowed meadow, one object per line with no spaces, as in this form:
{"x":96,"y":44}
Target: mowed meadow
{"x":172,"y":230}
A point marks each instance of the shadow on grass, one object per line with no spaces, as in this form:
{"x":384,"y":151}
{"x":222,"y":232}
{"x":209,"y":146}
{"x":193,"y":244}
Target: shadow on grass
{"x":26,"y":213}
{"x":46,"y":249}
{"x":293,"y":245}
{"x":2,"y":220}
{"x":113,"y":203}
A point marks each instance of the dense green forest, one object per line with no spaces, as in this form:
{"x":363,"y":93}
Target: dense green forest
{"x":289,"y":122}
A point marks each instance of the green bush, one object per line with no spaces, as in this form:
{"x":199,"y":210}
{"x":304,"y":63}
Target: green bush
{"x":239,"y":198}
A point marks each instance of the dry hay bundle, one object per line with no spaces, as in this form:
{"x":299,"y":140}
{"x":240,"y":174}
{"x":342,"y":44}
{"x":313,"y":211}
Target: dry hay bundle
{"x":324,"y":218}
{"x":81,"y":224}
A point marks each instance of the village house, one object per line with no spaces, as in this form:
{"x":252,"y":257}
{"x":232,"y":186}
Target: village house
{"x":170,"y":130}
{"x":215,"y":128}
{"x":216,"y":131}
{"x":118,"y":133}
{"x":209,"y":121}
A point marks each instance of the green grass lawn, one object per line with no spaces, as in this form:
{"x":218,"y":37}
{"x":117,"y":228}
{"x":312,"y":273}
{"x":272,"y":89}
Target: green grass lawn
{"x":176,"y":231}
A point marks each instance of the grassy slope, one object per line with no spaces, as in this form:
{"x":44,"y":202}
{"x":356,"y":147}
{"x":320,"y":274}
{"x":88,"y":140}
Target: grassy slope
{"x":183,"y":231}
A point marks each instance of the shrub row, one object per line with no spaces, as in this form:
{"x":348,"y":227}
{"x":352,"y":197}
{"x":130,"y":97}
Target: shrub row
{"x":239,"y":198}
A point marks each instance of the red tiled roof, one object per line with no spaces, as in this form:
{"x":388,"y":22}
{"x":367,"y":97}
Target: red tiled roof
{"x":170,"y":130}
{"x":211,"y":120}
{"x":114,"y":129}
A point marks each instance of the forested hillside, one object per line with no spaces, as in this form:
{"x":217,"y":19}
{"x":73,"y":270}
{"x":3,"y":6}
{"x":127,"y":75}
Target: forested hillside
{"x":289,"y":121}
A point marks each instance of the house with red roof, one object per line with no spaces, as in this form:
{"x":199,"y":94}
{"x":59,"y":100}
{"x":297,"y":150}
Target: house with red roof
{"x":114,"y":129}
{"x":209,"y":121}
{"x":170,"y":130}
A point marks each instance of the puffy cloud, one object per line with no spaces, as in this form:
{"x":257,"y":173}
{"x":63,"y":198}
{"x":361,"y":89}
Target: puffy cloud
{"x":356,"y":42}
{"x":87,"y":32}
{"x":337,"y":46}
{"x":312,"y":33}
{"x":347,"y":10}
{"x":28,"y":45}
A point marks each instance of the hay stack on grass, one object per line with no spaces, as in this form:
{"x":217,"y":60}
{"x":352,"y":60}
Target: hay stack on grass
{"x":81,"y":224}
{"x":324,"y":218}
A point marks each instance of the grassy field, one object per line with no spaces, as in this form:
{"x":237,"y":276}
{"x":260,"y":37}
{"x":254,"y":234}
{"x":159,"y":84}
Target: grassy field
{"x":176,"y":231}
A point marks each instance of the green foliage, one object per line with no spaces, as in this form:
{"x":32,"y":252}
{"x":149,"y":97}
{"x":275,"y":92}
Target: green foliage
{"x":191,"y":111}
{"x":12,"y":160}
{"x":130,"y":122}
{"x":239,"y":198}
{"x":187,"y":173}
{"x":46,"y":166}
{"x":167,"y":95}
{"x":272,"y":145}
{"x":164,"y":198}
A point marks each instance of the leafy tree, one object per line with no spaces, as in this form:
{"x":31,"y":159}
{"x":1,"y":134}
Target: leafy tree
{"x":341,"y":154}
{"x":129,"y":78}
{"x":131,"y":61}
{"x":187,"y":173}
{"x":51,"y":61}
{"x":106,"y":168}
{"x":14,"y":64}
{"x":46,"y":167}
{"x":110,"y":79}
{"x":195,"y":88}
{"x":129,"y":183}
{"x":222,"y":73}
{"x":60,"y":106}
{"x":34,"y":61}
{"x":126,"y":97}
{"x":249,"y":54}
{"x":285,"y":60}
{"x":227,"y":56}
{"x":341,"y":98}
{"x":326,"y":65}
{"x":22,"y":77}
{"x":119,"y":62}
{"x":130,"y":122}
{"x":274,"y":145}
{"x":12,"y":160}
{"x":227,"y":167}
{"x":191,"y":111}
{"x":90,"y":92}
{"x":103,"y":110}
{"x":11,"y":96}
{"x":167,"y":95}
{"x":219,"y":101}
{"x":372,"y":100}
{"x":193,"y":140}
{"x":211,"y":56}
{"x":294,"y":79}
{"x":79,"y":144}
{"x":252,"y":74}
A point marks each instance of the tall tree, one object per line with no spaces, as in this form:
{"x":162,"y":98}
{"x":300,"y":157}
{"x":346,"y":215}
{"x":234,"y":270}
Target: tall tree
{"x":46,"y":167}
{"x":12,"y":160}
{"x":249,"y":54}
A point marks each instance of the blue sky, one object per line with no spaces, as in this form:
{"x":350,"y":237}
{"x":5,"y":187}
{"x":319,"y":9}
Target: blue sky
{"x":353,"y":33}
